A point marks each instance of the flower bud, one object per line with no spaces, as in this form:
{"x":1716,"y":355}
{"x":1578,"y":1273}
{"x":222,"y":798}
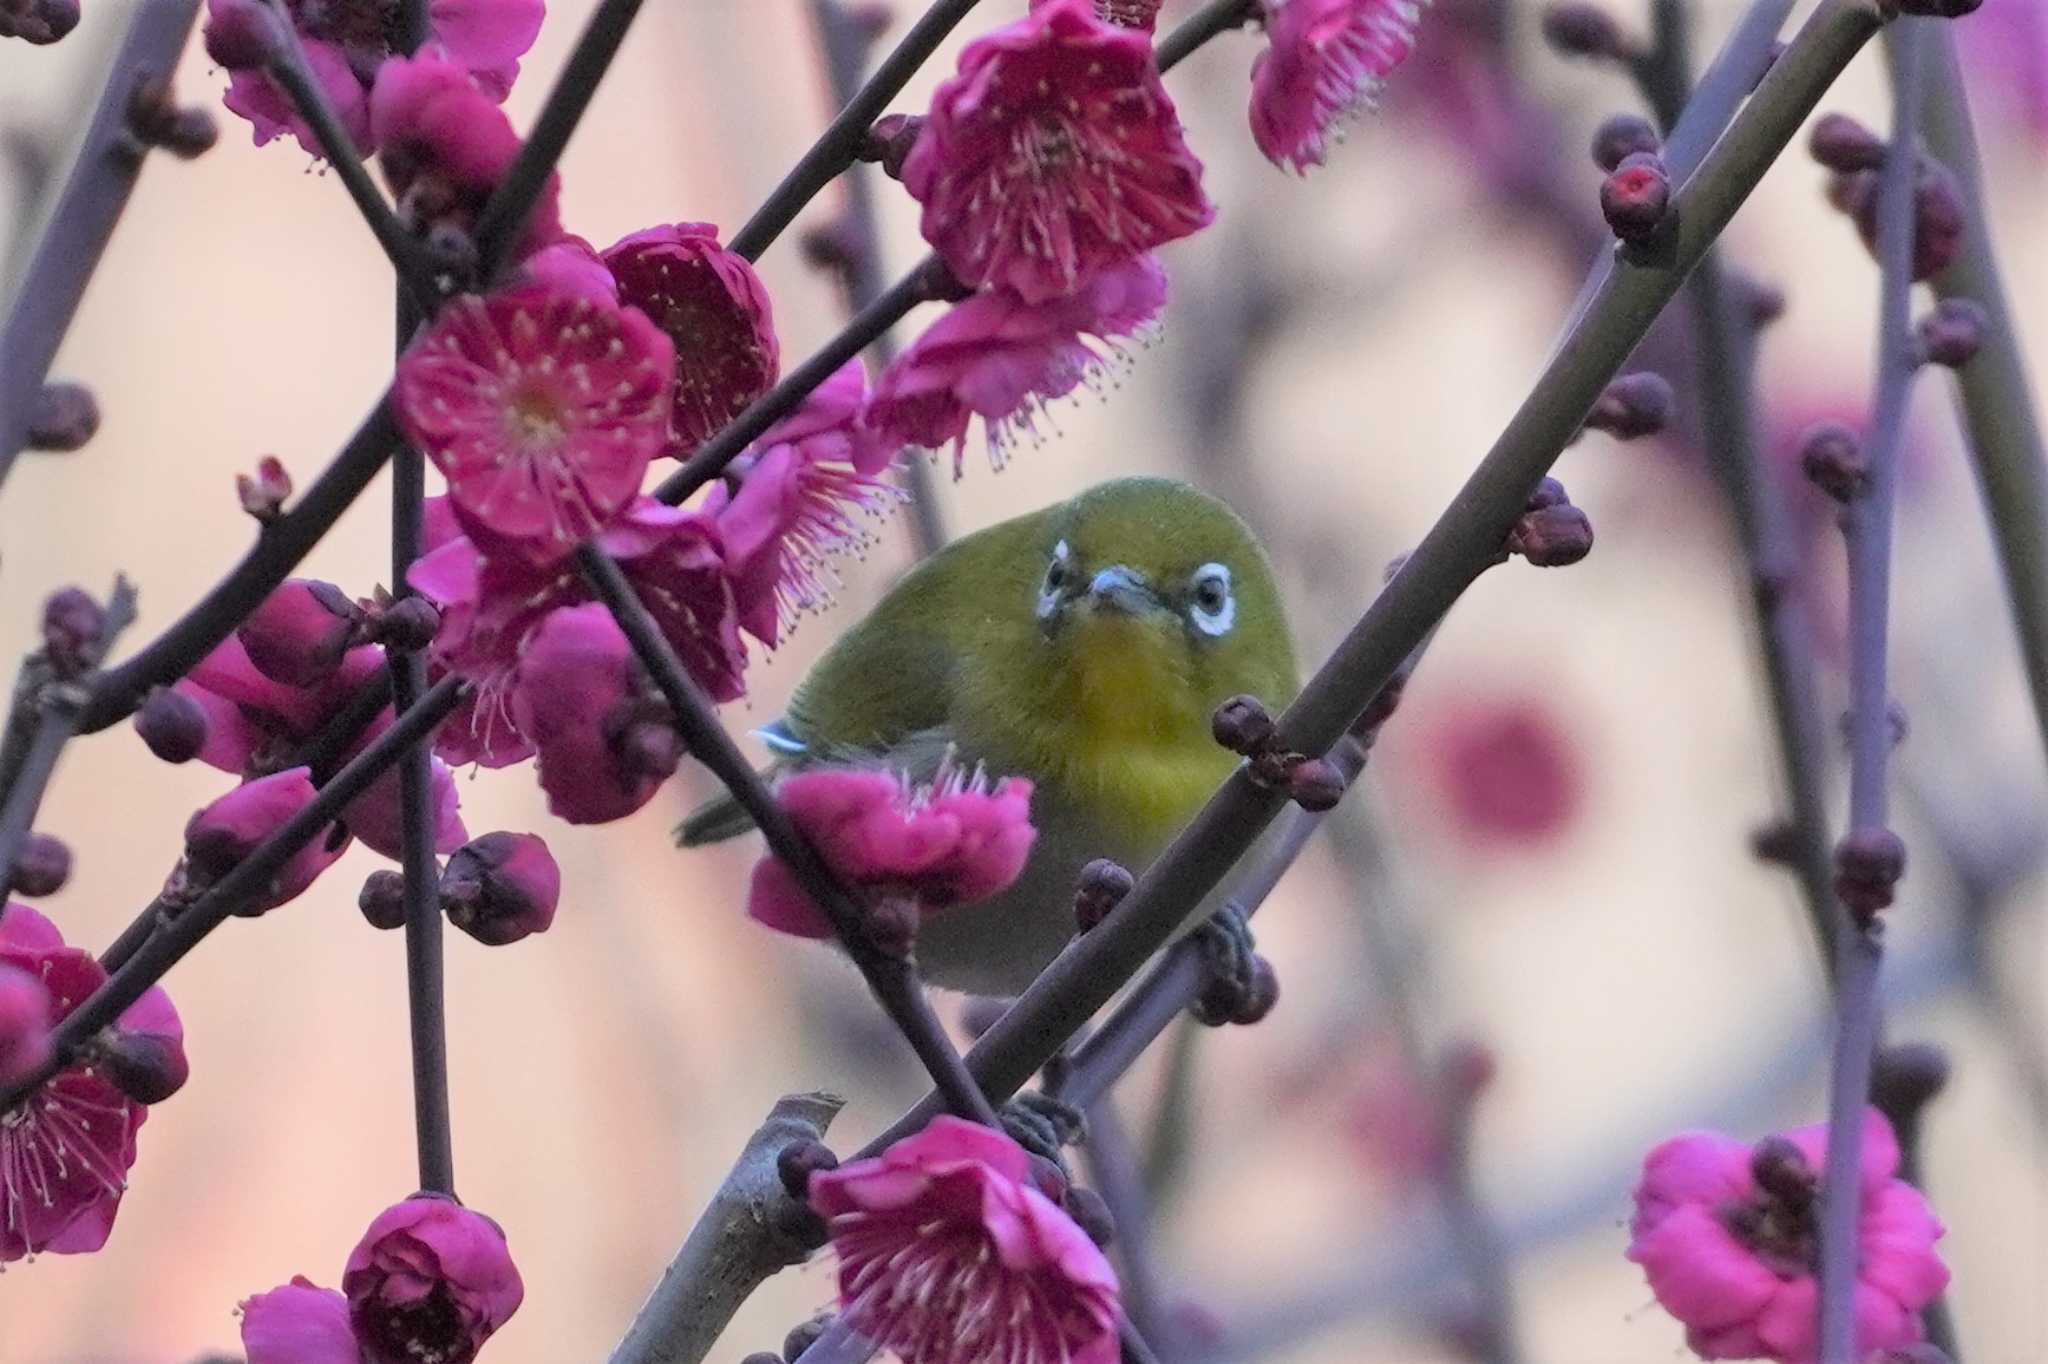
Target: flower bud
{"x":1832,"y":459}
{"x":1548,"y":492}
{"x":429,"y":1280}
{"x":155,"y":120}
{"x":1776,"y":842}
{"x":41,"y":866}
{"x":762,"y":1357}
{"x":1261,"y":994}
{"x":38,"y":21}
{"x":1762,"y":303}
{"x":219,"y":837}
{"x":1868,"y":864}
{"x":501,"y":887}
{"x":1779,"y":1168}
{"x":889,"y":141}
{"x":1090,"y":1214}
{"x":1466,"y":1068}
{"x":1621,"y":135}
{"x":891,"y":923}
{"x":1102,"y":888}
{"x":299,"y":633}
{"x":24,"y":1024}
{"x":62,"y":418}
{"x":1939,"y":9}
{"x":147,"y":1067}
{"x":1552,"y":537}
{"x":1633,"y":406}
{"x":1315,"y":785}
{"x":242,"y":34}
{"x":72,"y":625}
{"x":1953,"y":332}
{"x":1582,"y":30}
{"x":1905,"y":1077}
{"x":382,"y":899}
{"x":408,"y":624}
{"x":1938,"y":213}
{"x":649,"y":748}
{"x":1243,"y":725}
{"x":263,"y":494}
{"x":172,"y":724}
{"x":804,"y":1335}
{"x":798,"y":1161}
{"x":1841,"y":143}
{"x":1635,"y":198}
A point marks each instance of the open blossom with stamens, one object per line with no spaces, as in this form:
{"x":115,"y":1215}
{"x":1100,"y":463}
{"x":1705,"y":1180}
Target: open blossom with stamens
{"x":66,"y":1148}
{"x":1000,"y":358}
{"x":1325,"y":62}
{"x":542,"y":408}
{"x":1054,"y":155}
{"x":1140,"y":14}
{"x":1727,"y":1235}
{"x":347,"y":42}
{"x":801,"y":489}
{"x":948,"y":1253}
{"x":714,"y":308}
{"x":951,"y":842}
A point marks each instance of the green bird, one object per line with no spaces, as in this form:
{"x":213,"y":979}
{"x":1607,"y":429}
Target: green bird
{"x":1084,"y":646}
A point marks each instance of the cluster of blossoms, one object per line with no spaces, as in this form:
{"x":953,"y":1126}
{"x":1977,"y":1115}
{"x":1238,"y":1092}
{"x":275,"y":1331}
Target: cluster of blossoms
{"x":429,"y":1281}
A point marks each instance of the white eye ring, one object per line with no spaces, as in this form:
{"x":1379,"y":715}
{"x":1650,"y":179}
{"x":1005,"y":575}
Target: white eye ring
{"x":1056,"y":574}
{"x":1214,"y":616}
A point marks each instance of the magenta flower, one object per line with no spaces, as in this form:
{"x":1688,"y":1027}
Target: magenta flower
{"x":715,"y":309}
{"x":1324,"y":63}
{"x":1727,"y":1235}
{"x":376,"y":816}
{"x":298,"y":635}
{"x":947,"y":1253}
{"x":571,"y":266}
{"x":1508,"y":770}
{"x":65,"y":1149}
{"x":1054,"y":155}
{"x":219,"y":837}
{"x":24,"y":1024}
{"x":348,"y":42}
{"x":446,"y":145}
{"x":543,"y":410}
{"x":298,"y":1323}
{"x":430,"y":1280}
{"x":1139,"y":14}
{"x":501,"y":888}
{"x":580,"y":701}
{"x":949,"y":843}
{"x":1002,"y":359}
{"x":801,"y":489}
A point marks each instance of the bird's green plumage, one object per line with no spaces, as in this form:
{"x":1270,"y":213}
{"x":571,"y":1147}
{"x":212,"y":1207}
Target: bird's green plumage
{"x":1099,"y":689}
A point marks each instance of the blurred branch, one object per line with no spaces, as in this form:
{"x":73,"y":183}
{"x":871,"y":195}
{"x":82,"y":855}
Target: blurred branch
{"x":735,"y":1246}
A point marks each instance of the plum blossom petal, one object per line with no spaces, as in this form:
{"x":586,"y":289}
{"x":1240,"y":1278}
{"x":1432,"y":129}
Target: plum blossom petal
{"x":1325,"y":61}
{"x":430,"y":1280}
{"x":298,"y":1323}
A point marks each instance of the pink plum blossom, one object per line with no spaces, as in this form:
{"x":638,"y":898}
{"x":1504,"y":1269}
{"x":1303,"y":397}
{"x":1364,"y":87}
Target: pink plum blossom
{"x":1324,"y":62}
{"x":1507,"y":770}
{"x":298,"y":1323}
{"x":1727,"y":1235}
{"x":1139,"y":14}
{"x":571,"y":265}
{"x":1054,"y":155}
{"x":579,"y":700}
{"x":430,"y":1280}
{"x":1002,"y":359}
{"x":712,"y":305}
{"x":65,"y":1148}
{"x":24,"y":1024}
{"x":348,"y":43}
{"x":947,"y":1253}
{"x":297,"y":636}
{"x":542,"y":408}
{"x":221,"y":836}
{"x":948,"y":843}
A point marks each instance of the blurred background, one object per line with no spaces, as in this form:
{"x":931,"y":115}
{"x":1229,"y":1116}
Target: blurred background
{"x":1551,"y":855}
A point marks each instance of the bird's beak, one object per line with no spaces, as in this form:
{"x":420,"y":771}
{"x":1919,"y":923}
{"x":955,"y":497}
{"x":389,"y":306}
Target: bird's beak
{"x":1117,"y":588}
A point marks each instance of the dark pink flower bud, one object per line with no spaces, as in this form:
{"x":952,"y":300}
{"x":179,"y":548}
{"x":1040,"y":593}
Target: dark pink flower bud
{"x":243,"y":34}
{"x":1841,"y":143}
{"x":220,"y":836}
{"x":804,"y":1335}
{"x":300,"y":632}
{"x":62,"y":418}
{"x":890,"y":140}
{"x":72,"y":625}
{"x":147,"y":1067}
{"x":1952,"y":334}
{"x":263,"y":494}
{"x":38,"y":21}
{"x":1261,"y":993}
{"x":430,"y":1280}
{"x":1315,"y":785}
{"x":501,"y":887}
{"x":172,"y":724}
{"x":1832,"y":459}
{"x":1620,"y":136}
{"x":1905,"y":1077}
{"x":382,"y":899}
{"x":1583,"y":30}
{"x":298,"y":1323}
{"x":156,"y":120}
{"x":1552,"y":537}
{"x":763,"y":1357}
{"x":1102,"y":887}
{"x":1547,"y":493}
{"x":446,"y":145}
{"x":1633,"y":406}
{"x":24,"y":1024}
{"x":1868,"y":865}
{"x":408,"y":624}
{"x":1635,"y":198}
{"x":41,"y":866}
{"x":1938,"y":213}
{"x":1243,"y":725}
{"x":577,"y":667}
{"x":645,"y":744}
{"x":798,"y":1161}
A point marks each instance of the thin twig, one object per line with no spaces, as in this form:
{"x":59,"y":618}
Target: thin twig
{"x":1216,"y":17}
{"x":892,"y":979}
{"x":1114,"y":1171}
{"x":1867,"y":531}
{"x":83,"y":220}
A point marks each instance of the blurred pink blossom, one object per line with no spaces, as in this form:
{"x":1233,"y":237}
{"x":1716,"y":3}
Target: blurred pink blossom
{"x":1508,"y":769}
{"x":1324,"y":63}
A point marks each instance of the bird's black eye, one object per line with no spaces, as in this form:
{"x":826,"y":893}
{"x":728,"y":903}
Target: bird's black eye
{"x":1211,"y":607}
{"x":1056,"y":575}
{"x":1211,"y":594}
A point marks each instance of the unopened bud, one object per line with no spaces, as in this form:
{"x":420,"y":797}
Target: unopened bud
{"x":1952,"y":334}
{"x":892,"y":924}
{"x":804,"y":1335}
{"x":798,"y":1161}
{"x":835,"y":245}
{"x":1939,"y":216}
{"x":1939,"y":9}
{"x":155,"y":120}
{"x":1102,"y":887}
{"x":1552,"y":537}
{"x":1841,"y":143}
{"x":1548,"y":492}
{"x":147,"y":1067}
{"x":62,"y":418}
{"x":1581,"y":30}
{"x":1777,"y":842}
{"x":38,"y":21}
{"x":762,"y":1357}
{"x":1633,"y":406}
{"x":889,"y":141}
{"x":1621,"y":135}
{"x":72,"y":625}
{"x":1243,"y":725}
{"x":243,"y":34}
{"x":263,"y":494}
{"x":1905,"y":1077}
{"x":1090,"y":1214}
{"x":450,"y":249}
{"x":1262,"y":992}
{"x":501,"y":887}
{"x":298,"y":635}
{"x":1781,"y":1170}
{"x":172,"y":724}
{"x":650,"y":748}
{"x":1868,"y":865}
{"x":1762,"y":302}
{"x":1315,"y":785}
{"x":1832,"y":459}
{"x":41,"y":866}
{"x":1635,"y":198}
{"x":408,"y":624}
{"x":382,"y":899}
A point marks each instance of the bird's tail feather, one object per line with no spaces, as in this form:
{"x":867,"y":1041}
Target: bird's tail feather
{"x":717,"y":819}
